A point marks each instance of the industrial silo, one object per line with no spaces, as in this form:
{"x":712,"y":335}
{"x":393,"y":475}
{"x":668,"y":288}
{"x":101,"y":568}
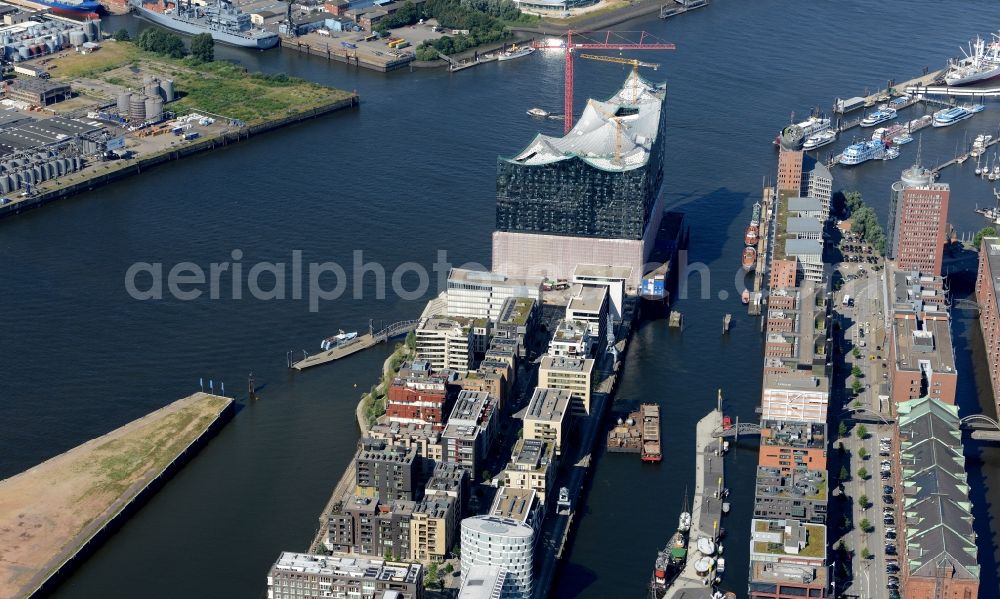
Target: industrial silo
{"x":90,"y":30}
{"x":153,"y":88}
{"x":60,"y":167}
{"x":124,"y":99}
{"x":77,"y":37}
{"x":154,"y":109}
{"x":167,"y":85}
{"x":77,"y":163}
{"x":137,"y":107}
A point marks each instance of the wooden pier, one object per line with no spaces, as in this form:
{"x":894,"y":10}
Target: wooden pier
{"x":355,"y":345}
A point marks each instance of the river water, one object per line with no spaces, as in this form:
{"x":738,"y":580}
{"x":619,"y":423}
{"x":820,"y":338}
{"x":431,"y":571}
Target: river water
{"x":407,"y":175}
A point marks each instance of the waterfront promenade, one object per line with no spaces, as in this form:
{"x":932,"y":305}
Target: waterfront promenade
{"x":706,"y":511}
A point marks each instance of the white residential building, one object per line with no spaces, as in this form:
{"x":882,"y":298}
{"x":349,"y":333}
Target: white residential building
{"x":509,"y":544}
{"x":480,"y":294}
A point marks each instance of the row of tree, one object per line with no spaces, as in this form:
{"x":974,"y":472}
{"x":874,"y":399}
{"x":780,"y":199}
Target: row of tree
{"x":163,"y":42}
{"x":485,"y":21}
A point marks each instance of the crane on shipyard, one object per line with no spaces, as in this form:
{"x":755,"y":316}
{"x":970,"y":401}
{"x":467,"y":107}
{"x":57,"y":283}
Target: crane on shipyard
{"x":612,"y":40}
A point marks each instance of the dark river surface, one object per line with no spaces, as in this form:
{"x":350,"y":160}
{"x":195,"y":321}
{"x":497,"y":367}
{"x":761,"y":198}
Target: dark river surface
{"x":409,"y":174}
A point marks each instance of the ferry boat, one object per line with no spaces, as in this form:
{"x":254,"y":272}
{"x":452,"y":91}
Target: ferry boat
{"x":339,"y":340}
{"x":863,"y":152}
{"x":820,"y":139}
{"x":950,"y":116}
{"x":538,"y":112}
{"x":515,"y":51}
{"x":879,"y":116}
{"x":891,"y":153}
{"x":980,"y":63}
{"x":902,"y":140}
{"x":810,"y":126}
{"x":973,"y":108}
{"x":749,"y":258}
{"x":223,"y":20}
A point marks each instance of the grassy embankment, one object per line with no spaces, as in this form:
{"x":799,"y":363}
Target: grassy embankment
{"x":373,"y":402}
{"x":220,"y":88}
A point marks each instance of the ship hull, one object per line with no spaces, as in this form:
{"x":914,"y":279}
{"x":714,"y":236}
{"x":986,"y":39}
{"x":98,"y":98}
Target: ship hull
{"x":87,"y":8}
{"x":260,"y":43}
{"x":977,"y":78}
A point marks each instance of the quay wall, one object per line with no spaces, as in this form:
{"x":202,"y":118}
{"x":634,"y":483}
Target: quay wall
{"x":48,"y":580}
{"x":128,"y":168}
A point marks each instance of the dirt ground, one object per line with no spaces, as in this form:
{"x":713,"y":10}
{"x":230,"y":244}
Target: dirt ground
{"x":50,"y":510}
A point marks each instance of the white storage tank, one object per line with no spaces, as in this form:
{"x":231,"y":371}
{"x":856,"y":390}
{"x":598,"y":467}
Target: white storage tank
{"x":77,"y":37}
{"x":124,"y":100}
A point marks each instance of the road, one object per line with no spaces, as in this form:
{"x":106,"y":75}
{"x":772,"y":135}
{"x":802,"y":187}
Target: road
{"x":864,"y":330}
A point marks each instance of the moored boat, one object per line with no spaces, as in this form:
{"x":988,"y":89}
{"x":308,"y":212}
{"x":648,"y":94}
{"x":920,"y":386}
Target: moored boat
{"x":980,"y":63}
{"x":879,"y":116}
{"x":749,"y":258}
{"x":818,"y":140}
{"x":950,"y":116}
{"x":745,"y":296}
{"x":670,"y":560}
{"x":862,"y":152}
{"x":515,"y":51}
{"x":901,"y":140}
{"x":339,"y":340}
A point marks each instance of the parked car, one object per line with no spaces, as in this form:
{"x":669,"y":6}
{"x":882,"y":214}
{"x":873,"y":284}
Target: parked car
{"x":887,"y":490}
{"x":887,"y":499}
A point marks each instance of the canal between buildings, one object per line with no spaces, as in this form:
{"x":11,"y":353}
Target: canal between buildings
{"x":409,"y":174}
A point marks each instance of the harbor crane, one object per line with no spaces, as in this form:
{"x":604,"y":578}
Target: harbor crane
{"x":612,"y":40}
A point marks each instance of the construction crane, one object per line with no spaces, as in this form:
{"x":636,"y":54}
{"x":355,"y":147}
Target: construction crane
{"x":619,"y":60}
{"x":618,"y":128}
{"x":613,"y":40}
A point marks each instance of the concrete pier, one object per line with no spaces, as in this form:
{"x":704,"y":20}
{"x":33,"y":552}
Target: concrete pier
{"x":706,"y":512}
{"x":55,"y":514}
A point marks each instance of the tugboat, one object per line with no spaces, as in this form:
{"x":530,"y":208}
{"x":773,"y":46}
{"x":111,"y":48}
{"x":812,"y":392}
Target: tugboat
{"x":670,"y":561}
{"x":753,"y":229}
{"x":749,"y":258}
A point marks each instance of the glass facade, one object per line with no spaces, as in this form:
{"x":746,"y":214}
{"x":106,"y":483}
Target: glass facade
{"x":575,"y":198}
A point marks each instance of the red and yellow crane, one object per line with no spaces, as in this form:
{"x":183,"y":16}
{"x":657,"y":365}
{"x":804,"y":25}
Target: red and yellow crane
{"x":613,"y":40}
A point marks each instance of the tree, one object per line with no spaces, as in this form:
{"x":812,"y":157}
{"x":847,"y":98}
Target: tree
{"x":160,"y":41}
{"x":863,"y":453}
{"x":863,"y":502}
{"x":856,"y":386}
{"x":984,"y":232}
{"x":842,"y":546}
{"x":842,"y":429}
{"x":122,"y":35}
{"x":856,"y":371}
{"x":844,"y":474}
{"x":203,"y":47}
{"x":863,"y":473}
{"x":862,"y":432}
{"x":431,"y":576}
{"x":448,"y":568}
{"x":865,"y":554}
{"x":856,"y":352}
{"x":866,"y":525}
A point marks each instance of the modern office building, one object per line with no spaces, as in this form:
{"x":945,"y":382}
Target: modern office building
{"x":516,"y":322}
{"x":445,"y":343}
{"x":987,"y":282}
{"x":787,"y":559}
{"x":509,"y":544}
{"x":939,"y":555}
{"x":306,"y":576}
{"x":532,"y":467}
{"x":545,"y":416}
{"x":918,"y":221}
{"x":591,"y":197}
{"x":520,"y":505}
{"x":615,"y":278}
{"x":480,"y":294}
{"x":790,"y":170}
{"x":818,"y":184}
{"x":571,"y":374}
{"x":385,"y":472}
{"x":800,"y":495}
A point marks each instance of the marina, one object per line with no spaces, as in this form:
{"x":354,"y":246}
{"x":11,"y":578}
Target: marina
{"x":340,"y":349}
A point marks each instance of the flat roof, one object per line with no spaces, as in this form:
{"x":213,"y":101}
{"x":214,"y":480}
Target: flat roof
{"x":797,"y":381}
{"x":514,"y":504}
{"x":485,"y":277}
{"x":806,"y":204}
{"x":548,"y":405}
{"x":587,"y":298}
{"x":599,"y":271}
{"x":785,"y":433}
{"x":483,"y":582}
{"x":497,"y":526}
{"x":803,"y":247}
{"x":804,"y":224}
{"x":567,"y":364}
{"x":923,"y":343}
{"x":347,"y":567}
